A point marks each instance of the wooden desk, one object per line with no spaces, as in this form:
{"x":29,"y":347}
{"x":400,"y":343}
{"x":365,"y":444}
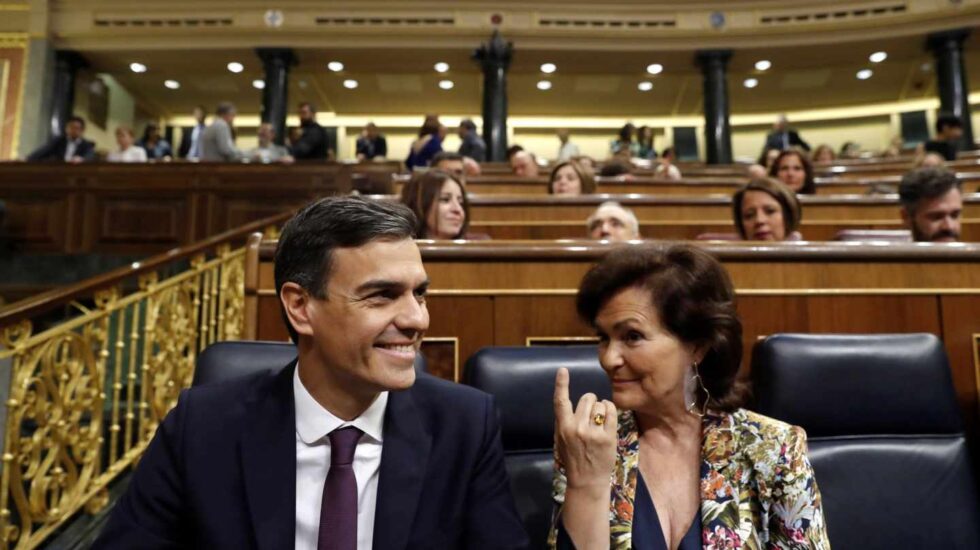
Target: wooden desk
{"x":515,"y":293}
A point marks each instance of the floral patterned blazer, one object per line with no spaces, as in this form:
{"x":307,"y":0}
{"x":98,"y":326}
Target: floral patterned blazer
{"x":757,"y":485}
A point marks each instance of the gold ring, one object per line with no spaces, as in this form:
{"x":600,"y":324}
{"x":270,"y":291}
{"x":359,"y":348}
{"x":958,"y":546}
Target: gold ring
{"x":599,"y":419}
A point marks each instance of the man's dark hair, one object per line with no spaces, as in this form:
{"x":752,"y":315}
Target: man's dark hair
{"x":615,"y":168}
{"x":76,"y":118}
{"x":468,"y":124}
{"x":947,"y":120}
{"x":444,"y":155}
{"x":513,"y":150}
{"x":925,"y":183}
{"x":307,"y":241}
{"x":309,"y":106}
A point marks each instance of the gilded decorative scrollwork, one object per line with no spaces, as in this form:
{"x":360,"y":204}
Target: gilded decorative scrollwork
{"x":86,"y":396}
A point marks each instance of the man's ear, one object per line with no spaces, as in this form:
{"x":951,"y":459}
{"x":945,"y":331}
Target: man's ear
{"x":295,"y":303}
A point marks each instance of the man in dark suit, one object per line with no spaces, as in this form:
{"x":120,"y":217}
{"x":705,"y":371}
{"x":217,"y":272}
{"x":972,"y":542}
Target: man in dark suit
{"x":949,"y":137}
{"x":312,"y":145}
{"x":343,"y":449}
{"x":783,"y":137}
{"x":371,"y":144}
{"x":190,"y":142}
{"x":71,"y":146}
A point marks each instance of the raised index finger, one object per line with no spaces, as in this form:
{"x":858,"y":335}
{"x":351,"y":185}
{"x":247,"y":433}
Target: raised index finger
{"x":563,"y":405}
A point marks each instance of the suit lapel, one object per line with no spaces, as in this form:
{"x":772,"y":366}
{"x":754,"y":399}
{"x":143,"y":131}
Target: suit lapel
{"x":269,"y":463}
{"x":404,"y":458}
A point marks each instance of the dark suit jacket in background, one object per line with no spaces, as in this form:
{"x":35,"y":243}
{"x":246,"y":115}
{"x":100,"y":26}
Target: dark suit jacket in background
{"x":312,"y":145}
{"x":54,"y":150}
{"x":948,"y":149}
{"x":187,"y":140}
{"x":220,"y":473}
{"x":370,"y":148}
{"x":775,"y":140}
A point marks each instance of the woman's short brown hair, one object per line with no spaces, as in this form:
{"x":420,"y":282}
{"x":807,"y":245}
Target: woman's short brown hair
{"x":422,"y":191}
{"x":585,"y":174}
{"x":809,"y":185}
{"x":790,"y":204}
{"x":694,"y":298}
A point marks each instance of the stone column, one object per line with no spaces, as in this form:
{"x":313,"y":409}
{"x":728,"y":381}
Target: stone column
{"x":275,"y":95}
{"x":717,"y":130}
{"x":494,"y":58}
{"x":947,"y":47}
{"x":66,"y":65}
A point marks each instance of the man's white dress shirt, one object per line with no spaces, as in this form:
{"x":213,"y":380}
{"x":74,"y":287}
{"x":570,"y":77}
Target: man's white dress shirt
{"x":313,"y":423}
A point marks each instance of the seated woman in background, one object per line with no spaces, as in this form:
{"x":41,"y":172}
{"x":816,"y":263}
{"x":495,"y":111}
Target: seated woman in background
{"x":666,"y":168}
{"x":644,"y":139}
{"x":156,"y":147}
{"x":625,"y":145}
{"x":427,"y":145}
{"x":571,"y":178}
{"x":674,"y":461}
{"x":766,"y":210}
{"x":440,"y":205}
{"x":128,"y":152}
{"x":823,"y":153}
{"x":794,"y":169}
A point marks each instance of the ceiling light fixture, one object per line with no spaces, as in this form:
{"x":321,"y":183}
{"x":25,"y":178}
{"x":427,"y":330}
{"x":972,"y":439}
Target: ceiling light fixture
{"x":442,"y":67}
{"x":751,"y":82}
{"x":350,"y":84}
{"x":645,"y":86}
{"x":877,"y":57}
{"x":236,"y":67}
{"x":544,"y":85}
{"x":258,"y":84}
{"x":763,"y":65}
{"x":335,"y":66}
{"x":864,"y":74}
{"x":137,"y":67}
{"x":172,"y":84}
{"x":548,"y":68}
{"x":446,"y":84}
{"x":655,"y":68}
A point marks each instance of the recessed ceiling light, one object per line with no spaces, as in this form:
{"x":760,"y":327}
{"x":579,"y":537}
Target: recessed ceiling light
{"x":446,"y":84}
{"x":350,"y":84}
{"x":751,"y":82}
{"x":864,"y":74}
{"x":548,"y":68}
{"x":335,"y":66}
{"x":655,"y":68}
{"x":645,"y":86}
{"x":172,"y":84}
{"x":442,"y":67}
{"x":544,"y":85}
{"x":258,"y":84}
{"x":236,"y":67}
{"x":137,"y":67}
{"x":877,"y":57}
{"x":763,"y":65}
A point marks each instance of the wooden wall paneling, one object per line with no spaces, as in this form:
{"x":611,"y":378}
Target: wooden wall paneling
{"x":961,"y":322}
{"x":39,"y":222}
{"x":468,"y":318}
{"x":518,"y":317}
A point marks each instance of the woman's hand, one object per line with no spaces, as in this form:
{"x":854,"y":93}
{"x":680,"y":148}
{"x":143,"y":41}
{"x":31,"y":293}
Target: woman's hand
{"x":585,"y":438}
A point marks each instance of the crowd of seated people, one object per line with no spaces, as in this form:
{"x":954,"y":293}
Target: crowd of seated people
{"x":766,"y":210}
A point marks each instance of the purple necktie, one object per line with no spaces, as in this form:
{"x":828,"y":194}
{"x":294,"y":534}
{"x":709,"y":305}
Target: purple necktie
{"x":338,"y":509}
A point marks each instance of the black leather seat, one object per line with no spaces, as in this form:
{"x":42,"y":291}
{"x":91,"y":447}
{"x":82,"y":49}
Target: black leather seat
{"x":223,"y":361}
{"x":522,"y":380}
{"x":885,"y":435}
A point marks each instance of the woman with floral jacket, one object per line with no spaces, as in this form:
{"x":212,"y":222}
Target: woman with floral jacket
{"x":673,"y":462}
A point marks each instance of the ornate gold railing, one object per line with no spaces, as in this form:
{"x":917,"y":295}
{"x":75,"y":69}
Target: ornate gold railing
{"x":86,"y":395}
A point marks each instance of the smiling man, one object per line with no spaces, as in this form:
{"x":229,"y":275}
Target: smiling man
{"x":932,"y":204}
{"x":347,"y":448}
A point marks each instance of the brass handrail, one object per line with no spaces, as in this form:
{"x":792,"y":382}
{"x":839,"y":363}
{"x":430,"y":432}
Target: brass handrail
{"x":86,"y":395}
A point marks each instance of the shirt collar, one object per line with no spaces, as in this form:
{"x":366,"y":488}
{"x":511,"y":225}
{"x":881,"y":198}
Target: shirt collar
{"x":313,"y":422}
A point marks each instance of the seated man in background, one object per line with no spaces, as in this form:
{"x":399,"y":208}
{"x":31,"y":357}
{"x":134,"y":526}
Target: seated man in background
{"x":345,"y":448}
{"x":452,"y":163}
{"x":268,"y":151}
{"x":472,"y":144}
{"x":612,"y":222}
{"x":949,"y":137}
{"x":524,"y":164}
{"x":218,"y":140}
{"x":783,"y":137}
{"x":371,"y":144}
{"x":932,"y":203}
{"x":68,"y":147}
